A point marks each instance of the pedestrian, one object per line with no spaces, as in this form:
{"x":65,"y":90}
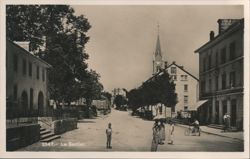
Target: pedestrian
{"x":225,"y":122}
{"x":171,"y":132}
{"x":109,"y":136}
{"x":228,"y":122}
{"x":156,"y":136}
{"x":162,"y":133}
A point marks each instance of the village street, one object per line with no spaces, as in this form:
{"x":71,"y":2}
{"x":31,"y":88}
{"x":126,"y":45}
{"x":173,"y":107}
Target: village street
{"x":130,"y":134}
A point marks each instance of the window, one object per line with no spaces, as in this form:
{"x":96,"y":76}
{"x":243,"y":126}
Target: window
{"x":174,"y":77}
{"x":216,"y":59}
{"x":232,"y":50}
{"x":203,"y":86}
{"x":224,"y":80}
{"x":223,"y":55}
{"x":30,"y":69}
{"x":37,"y":72}
{"x":15,"y":62}
{"x":24,"y":67}
{"x":185,"y":87}
{"x":15,"y":92}
{"x":232,"y":79}
{"x":185,"y":108}
{"x":210,"y":84}
{"x":31,"y":99}
{"x":185,"y":99}
{"x":216,"y":82}
{"x":184,"y":77}
{"x":173,"y":70}
{"x":209,"y":61}
{"x":43,"y":75}
{"x":204,"y":64}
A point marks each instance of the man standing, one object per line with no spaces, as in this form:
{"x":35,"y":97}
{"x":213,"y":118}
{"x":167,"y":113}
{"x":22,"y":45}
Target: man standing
{"x":109,"y":136}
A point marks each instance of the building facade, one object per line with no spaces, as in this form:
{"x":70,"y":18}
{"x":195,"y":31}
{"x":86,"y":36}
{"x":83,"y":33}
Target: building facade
{"x":186,"y":84}
{"x":186,"y":87}
{"x":221,"y":74}
{"x":26,"y":83}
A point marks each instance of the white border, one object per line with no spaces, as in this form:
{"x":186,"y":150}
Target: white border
{"x":226,"y":155}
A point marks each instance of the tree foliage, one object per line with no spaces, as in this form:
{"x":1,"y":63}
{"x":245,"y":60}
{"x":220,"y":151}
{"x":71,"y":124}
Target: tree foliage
{"x":119,"y":101}
{"x":69,"y":78}
{"x":158,"y":89}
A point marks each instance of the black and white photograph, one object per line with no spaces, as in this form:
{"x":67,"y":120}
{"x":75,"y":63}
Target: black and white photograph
{"x":110,"y":78}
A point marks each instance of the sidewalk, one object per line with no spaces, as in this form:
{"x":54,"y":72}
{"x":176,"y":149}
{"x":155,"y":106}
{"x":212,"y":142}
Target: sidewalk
{"x":205,"y":129}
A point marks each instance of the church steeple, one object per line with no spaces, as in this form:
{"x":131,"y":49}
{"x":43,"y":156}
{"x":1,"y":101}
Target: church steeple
{"x":158,"y":63}
{"x":158,"y":45}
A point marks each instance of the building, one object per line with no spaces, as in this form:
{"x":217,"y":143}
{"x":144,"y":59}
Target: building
{"x":186,"y":87}
{"x":186,"y":84}
{"x":221,"y":74}
{"x":26,"y":82}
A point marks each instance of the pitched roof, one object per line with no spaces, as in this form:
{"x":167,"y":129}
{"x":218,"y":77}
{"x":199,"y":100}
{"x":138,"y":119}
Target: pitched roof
{"x":234,"y":27}
{"x":180,"y":67}
{"x":28,"y":53}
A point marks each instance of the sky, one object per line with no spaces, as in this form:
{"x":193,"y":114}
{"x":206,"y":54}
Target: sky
{"x":123,"y":38}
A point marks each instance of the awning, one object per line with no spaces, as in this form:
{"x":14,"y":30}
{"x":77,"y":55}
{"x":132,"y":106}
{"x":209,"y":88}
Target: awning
{"x":200,"y":103}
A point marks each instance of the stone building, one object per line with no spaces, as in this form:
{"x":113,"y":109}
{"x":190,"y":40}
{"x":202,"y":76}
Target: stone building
{"x":221,"y":74}
{"x":26,"y":82}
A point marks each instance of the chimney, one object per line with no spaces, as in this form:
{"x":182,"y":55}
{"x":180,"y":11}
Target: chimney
{"x":211,"y":35}
{"x":225,"y":23}
{"x":23,"y":44}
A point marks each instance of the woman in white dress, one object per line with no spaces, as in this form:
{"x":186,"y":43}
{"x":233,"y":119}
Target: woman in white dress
{"x":171,"y":132}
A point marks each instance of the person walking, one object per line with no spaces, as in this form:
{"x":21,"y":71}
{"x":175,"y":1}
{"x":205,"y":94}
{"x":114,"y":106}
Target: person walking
{"x":109,"y":136}
{"x":171,"y":132}
{"x":156,"y":136}
{"x":162,"y":133}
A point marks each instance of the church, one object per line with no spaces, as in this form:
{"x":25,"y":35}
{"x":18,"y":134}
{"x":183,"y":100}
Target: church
{"x":187,"y":85}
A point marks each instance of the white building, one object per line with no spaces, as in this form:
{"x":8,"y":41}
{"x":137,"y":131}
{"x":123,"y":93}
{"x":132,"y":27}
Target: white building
{"x":187,"y":87}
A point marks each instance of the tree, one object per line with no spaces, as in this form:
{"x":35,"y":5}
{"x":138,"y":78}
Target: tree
{"x":119,"y":101}
{"x":65,"y":41}
{"x":91,"y":88}
{"x":107,"y":95}
{"x":158,"y":89}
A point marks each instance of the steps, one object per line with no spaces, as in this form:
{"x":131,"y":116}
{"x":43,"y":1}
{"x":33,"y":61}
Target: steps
{"x":47,"y":135}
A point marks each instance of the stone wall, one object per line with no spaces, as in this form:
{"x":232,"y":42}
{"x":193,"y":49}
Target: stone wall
{"x":22,"y":136}
{"x":64,"y":125}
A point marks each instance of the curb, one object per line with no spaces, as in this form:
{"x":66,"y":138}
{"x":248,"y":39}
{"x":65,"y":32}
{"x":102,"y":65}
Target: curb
{"x":212,"y":133}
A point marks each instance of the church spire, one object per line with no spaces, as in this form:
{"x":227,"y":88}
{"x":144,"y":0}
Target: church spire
{"x":158,"y":46}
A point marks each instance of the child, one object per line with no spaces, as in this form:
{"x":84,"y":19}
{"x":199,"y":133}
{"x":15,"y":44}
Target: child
{"x":109,"y":136}
{"x":171,"y":132}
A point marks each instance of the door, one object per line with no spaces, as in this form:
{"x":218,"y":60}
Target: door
{"x":233,"y":112}
{"x":217,"y":112}
{"x":24,"y":104}
{"x":40,"y":104}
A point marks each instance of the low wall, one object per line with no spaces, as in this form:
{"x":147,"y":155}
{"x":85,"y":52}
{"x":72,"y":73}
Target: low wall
{"x":22,"y":136}
{"x":61,"y":126}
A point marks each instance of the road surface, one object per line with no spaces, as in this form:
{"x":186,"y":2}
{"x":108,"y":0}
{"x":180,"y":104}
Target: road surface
{"x":131,"y":134}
